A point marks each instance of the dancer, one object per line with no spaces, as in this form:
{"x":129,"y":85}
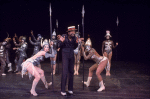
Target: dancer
{"x":77,"y":56}
{"x":30,"y":66}
{"x":67,"y":42}
{"x":107,"y":46}
{"x":55,"y":46}
{"x":2,"y":55}
{"x":17,"y":45}
{"x":22,"y":54}
{"x":7,"y":50}
{"x":101,"y":63}
{"x":37,"y":43}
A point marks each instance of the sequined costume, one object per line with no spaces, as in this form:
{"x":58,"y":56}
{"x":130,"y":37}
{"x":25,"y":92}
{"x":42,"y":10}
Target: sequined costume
{"x":2,"y":56}
{"x":107,"y":46}
{"x":36,"y":44}
{"x":93,"y":55}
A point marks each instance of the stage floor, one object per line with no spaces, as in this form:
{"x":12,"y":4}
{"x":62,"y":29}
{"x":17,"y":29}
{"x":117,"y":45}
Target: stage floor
{"x":127,"y":80}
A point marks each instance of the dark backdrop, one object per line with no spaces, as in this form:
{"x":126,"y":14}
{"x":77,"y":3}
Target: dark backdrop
{"x":22,"y":16}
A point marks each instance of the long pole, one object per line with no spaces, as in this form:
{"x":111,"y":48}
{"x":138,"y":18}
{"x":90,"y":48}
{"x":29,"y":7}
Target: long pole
{"x":117,"y":22}
{"x":83,"y":37}
{"x":50,"y":10}
{"x":57,"y":42}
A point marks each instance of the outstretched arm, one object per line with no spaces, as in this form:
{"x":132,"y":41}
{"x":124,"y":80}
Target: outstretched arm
{"x":16,"y":43}
{"x":33,"y":36}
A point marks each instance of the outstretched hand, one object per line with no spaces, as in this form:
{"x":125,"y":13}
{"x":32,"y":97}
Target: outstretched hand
{"x":117,"y":43}
{"x":59,"y":37}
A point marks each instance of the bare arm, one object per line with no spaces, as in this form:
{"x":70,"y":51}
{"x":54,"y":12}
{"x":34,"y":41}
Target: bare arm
{"x":89,"y":55}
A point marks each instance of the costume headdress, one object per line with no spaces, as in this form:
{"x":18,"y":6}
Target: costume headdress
{"x":108,"y":33}
{"x":88,"y":42}
{"x":54,"y":33}
{"x":45,"y":42}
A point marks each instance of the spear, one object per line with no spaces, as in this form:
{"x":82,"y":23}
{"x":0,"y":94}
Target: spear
{"x":58,"y":51}
{"x":50,"y":10}
{"x":83,"y":37}
{"x":117,"y":22}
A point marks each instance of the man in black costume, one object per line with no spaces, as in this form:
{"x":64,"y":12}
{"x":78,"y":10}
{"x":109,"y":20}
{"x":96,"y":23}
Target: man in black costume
{"x":68,"y":42}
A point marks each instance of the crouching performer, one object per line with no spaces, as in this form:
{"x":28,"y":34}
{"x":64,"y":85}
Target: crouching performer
{"x":30,"y":66}
{"x":101,"y":63}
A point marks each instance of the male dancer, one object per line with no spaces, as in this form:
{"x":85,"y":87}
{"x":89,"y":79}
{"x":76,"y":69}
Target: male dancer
{"x":67,"y":42}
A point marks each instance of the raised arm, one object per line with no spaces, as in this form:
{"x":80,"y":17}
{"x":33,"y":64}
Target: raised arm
{"x":33,"y":36}
{"x":18,"y":45}
{"x":33,"y":43}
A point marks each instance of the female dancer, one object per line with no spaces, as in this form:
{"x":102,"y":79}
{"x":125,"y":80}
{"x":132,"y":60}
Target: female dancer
{"x":77,"y":56}
{"x":30,"y":66}
{"x":55,"y":48}
{"x":107,"y":46}
{"x":101,"y":63}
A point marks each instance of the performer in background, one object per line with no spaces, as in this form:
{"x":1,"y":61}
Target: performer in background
{"x":22,"y":53}
{"x":30,"y":65}
{"x":17,"y":45}
{"x":55,"y":49}
{"x":67,"y":42}
{"x":101,"y":63}
{"x":107,"y":46}
{"x":37,"y":43}
{"x":2,"y":55}
{"x":7,"y":50}
{"x":77,"y":56}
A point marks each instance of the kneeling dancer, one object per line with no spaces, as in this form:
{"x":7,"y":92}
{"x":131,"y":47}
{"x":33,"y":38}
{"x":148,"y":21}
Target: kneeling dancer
{"x":101,"y":63}
{"x":30,"y":65}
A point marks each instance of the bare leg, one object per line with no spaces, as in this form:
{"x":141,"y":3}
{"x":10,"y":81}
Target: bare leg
{"x":75,"y":64}
{"x":91,"y":69}
{"x":78,"y":64}
{"x":54,"y":65}
{"x":41,"y":72}
{"x":37,"y":76}
{"x":109,"y":58}
{"x":98,"y":72}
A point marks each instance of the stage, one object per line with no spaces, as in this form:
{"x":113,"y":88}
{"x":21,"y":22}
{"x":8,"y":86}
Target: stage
{"x":127,"y":80}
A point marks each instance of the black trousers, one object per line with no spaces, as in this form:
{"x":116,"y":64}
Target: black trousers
{"x":19,"y":63}
{"x":67,"y":71}
{"x":3,"y":64}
